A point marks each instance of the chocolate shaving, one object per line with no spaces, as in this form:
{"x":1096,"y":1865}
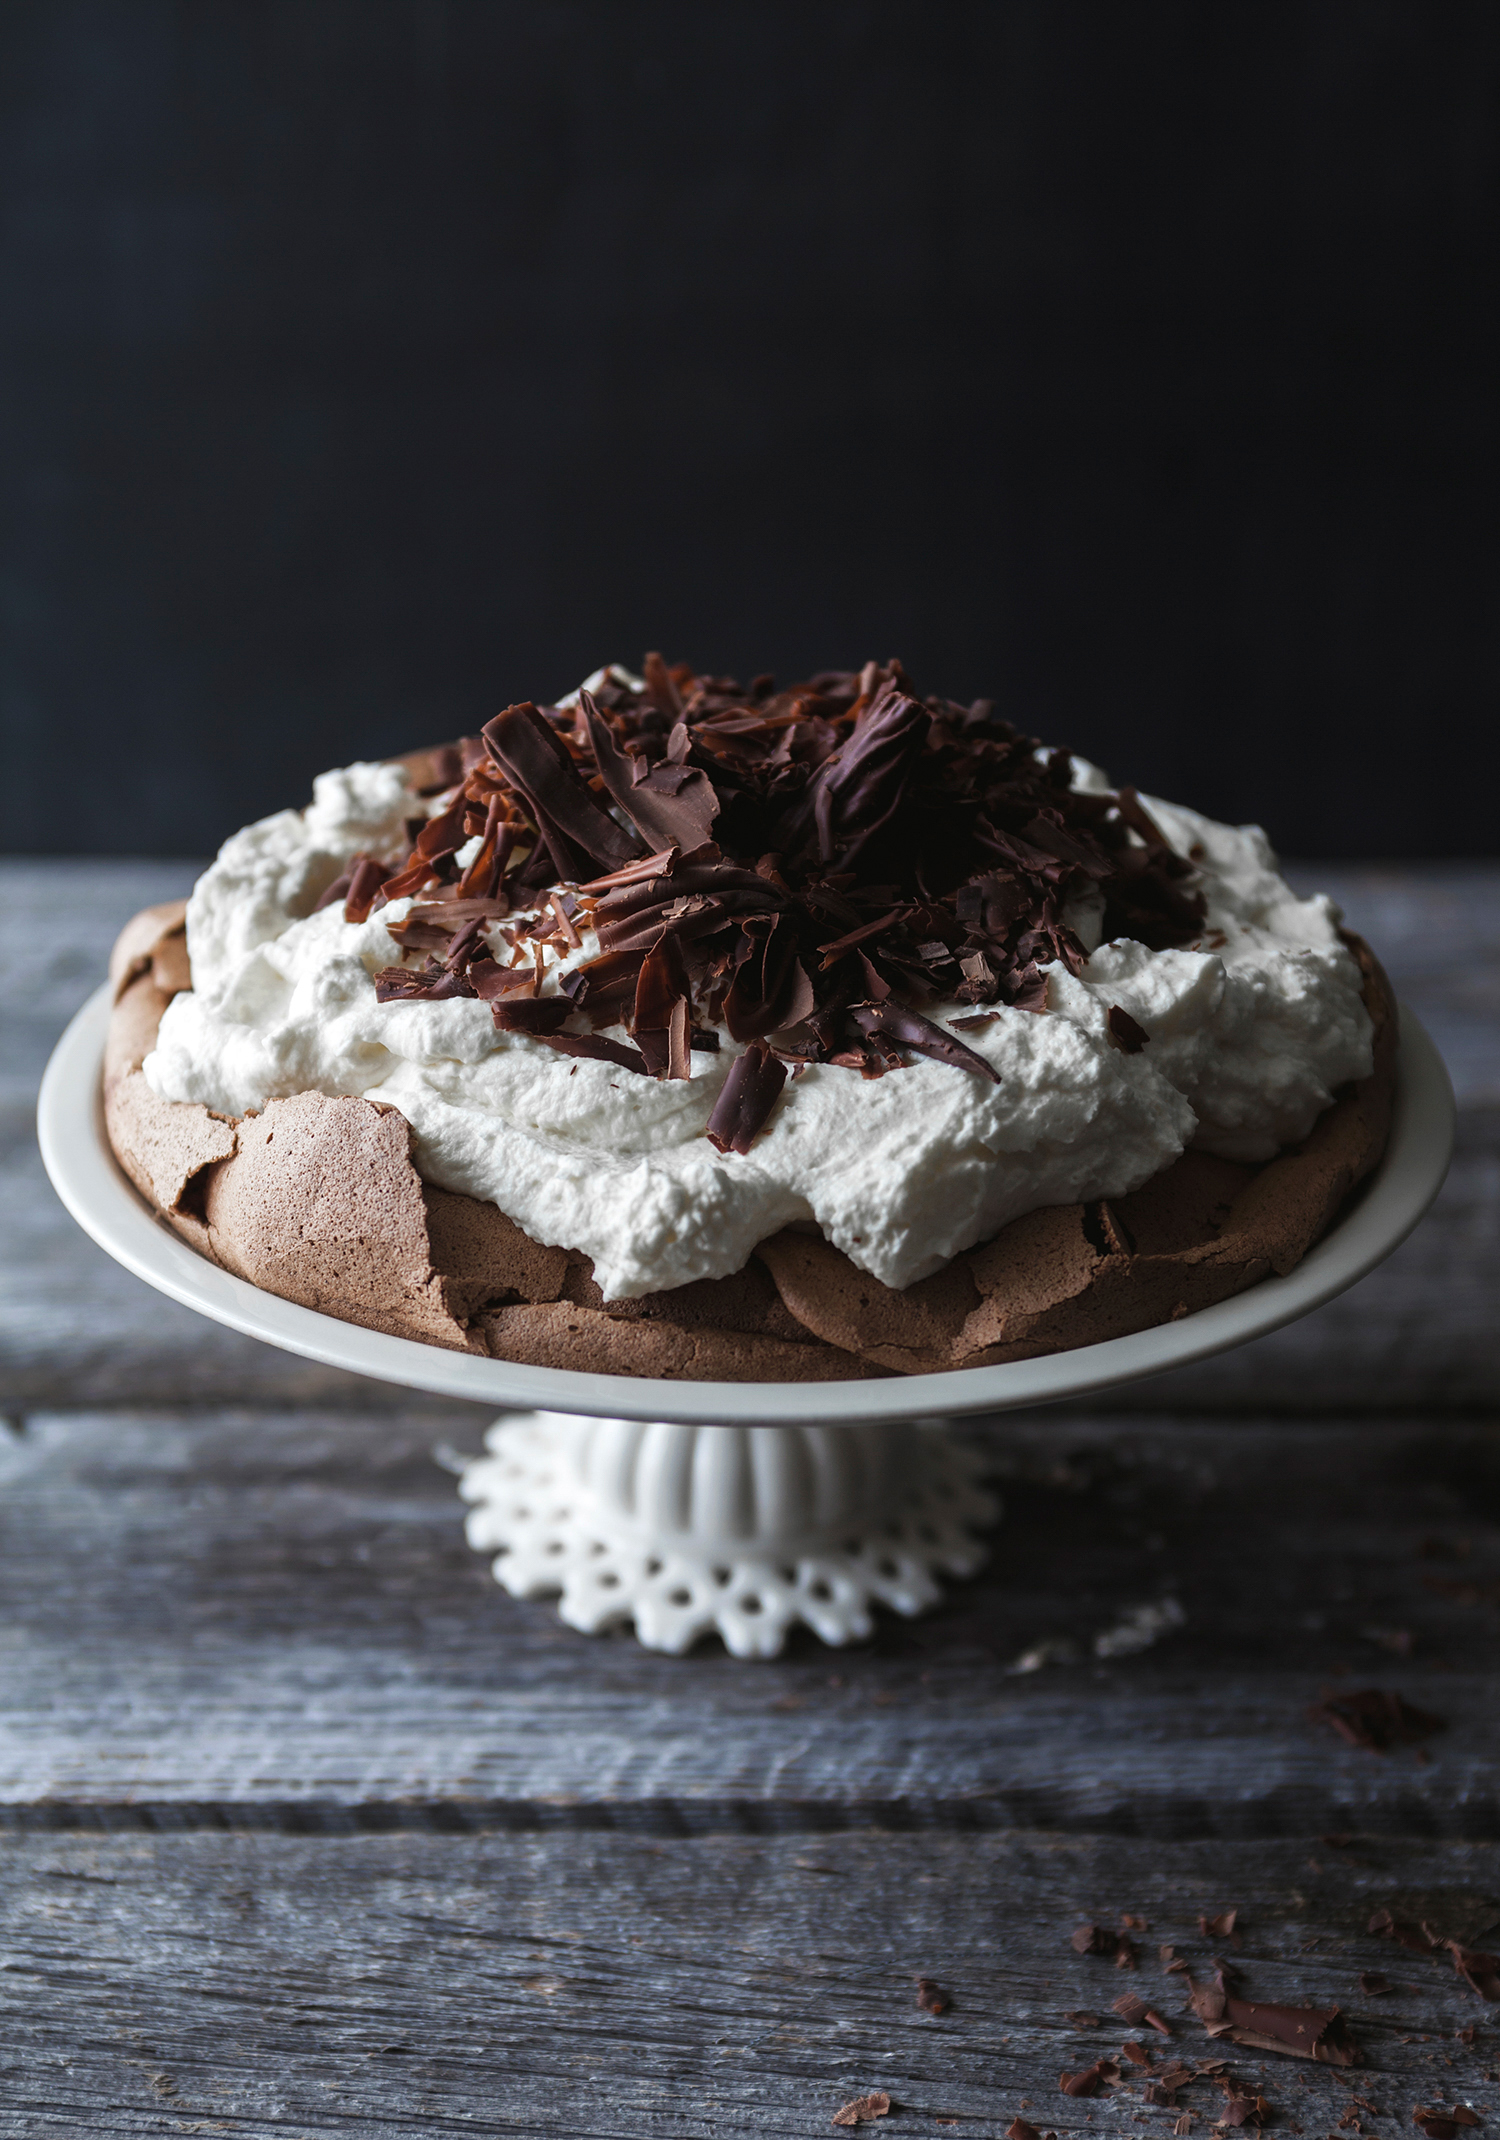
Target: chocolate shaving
{"x":1421,"y":1939}
{"x":1135,"y":2013}
{"x":863,"y":2109}
{"x":668,"y":805}
{"x":1088,"y":2082}
{"x":931,"y":1996}
{"x":1296,"y":2031}
{"x":580,"y":835}
{"x":1373,"y":1984}
{"x":357,"y":887}
{"x":431,"y":859}
{"x":856,"y":793}
{"x":1242,"y":2108}
{"x":366,"y":879}
{"x":663,"y":1010}
{"x":1124,"y":1032}
{"x":598,"y":1049}
{"x":431,"y":984}
{"x":1220,"y":1927}
{"x":744,"y":1104}
{"x":909,"y":1029}
{"x":1375,"y":1719}
{"x":1081,"y":2019}
{"x":1439,"y":2124}
{"x":1481,"y":1972}
{"x":1164,"y":2083}
{"x":541,"y":1016}
{"x":1023,"y":2129}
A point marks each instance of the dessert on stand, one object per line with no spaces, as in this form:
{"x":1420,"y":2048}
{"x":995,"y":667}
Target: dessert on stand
{"x":743,"y":1081}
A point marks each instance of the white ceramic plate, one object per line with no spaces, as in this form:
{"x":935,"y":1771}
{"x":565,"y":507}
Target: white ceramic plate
{"x":70,"y":1123}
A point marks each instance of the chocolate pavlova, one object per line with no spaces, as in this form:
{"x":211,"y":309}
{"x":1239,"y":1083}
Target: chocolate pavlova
{"x":692,"y":1030}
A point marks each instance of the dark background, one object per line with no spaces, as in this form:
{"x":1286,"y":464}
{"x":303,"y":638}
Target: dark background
{"x":364,"y":366}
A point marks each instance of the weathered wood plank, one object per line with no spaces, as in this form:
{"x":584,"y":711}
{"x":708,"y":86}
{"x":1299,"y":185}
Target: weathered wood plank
{"x":273,"y":1618}
{"x":602,"y":1986}
{"x":75,"y":1329}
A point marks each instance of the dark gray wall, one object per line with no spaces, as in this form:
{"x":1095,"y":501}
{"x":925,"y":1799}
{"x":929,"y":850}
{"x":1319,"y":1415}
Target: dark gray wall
{"x":365,"y":365}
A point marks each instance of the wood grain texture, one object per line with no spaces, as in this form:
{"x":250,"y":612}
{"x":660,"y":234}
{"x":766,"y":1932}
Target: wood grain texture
{"x":273,"y":1619}
{"x":284,"y":1988}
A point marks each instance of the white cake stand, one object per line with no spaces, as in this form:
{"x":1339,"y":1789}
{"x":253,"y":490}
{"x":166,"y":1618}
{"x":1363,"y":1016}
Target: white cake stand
{"x":739,"y":1508}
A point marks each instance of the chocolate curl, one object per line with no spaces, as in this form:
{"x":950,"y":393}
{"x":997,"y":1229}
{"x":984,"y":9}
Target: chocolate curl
{"x":1139,"y":819}
{"x":433,"y":984}
{"x":439,"y":838}
{"x":744,"y":1104}
{"x":595,"y":1047}
{"x":1296,"y":2031}
{"x":771,"y":990}
{"x":489,"y":980}
{"x":1129,"y":1037}
{"x":909,"y":1029}
{"x":854,"y":795}
{"x":662,"y":687}
{"x":663,"y":1010}
{"x":540,"y":1016}
{"x":667,"y":803}
{"x":485,"y":875}
{"x":432,"y":925}
{"x":579,"y":834}
{"x":356,"y":887}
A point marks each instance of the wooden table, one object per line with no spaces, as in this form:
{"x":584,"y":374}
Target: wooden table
{"x":310,"y":1830}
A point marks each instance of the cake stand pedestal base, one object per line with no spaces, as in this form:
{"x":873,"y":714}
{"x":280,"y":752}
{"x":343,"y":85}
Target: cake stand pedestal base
{"x":736,"y":1531}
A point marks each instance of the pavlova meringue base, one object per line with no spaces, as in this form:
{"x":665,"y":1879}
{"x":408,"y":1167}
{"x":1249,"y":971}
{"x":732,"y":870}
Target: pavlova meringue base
{"x":316,"y":1199}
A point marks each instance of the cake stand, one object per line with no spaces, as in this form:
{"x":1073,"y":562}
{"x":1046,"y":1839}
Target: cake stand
{"x":735,"y":1508}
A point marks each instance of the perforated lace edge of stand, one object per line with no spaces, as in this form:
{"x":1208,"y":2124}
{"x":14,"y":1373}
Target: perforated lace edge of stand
{"x":607,"y":1578}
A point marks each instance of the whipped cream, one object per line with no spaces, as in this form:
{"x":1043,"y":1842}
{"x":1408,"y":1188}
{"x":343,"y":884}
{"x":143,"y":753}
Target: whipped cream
{"x":1250,"y":1032}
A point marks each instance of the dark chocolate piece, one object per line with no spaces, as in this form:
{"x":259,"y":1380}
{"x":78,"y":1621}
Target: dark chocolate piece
{"x":366,"y":879}
{"x":1298,"y":2031}
{"x":744,"y":1104}
{"x":663,"y":1010}
{"x":431,"y":857}
{"x":541,"y":1016}
{"x":432,"y":984}
{"x":1421,"y":1939}
{"x":596,"y":1047}
{"x":931,"y":1996}
{"x":1135,"y":2013}
{"x":1124,"y":1031}
{"x":1101,"y":1940}
{"x":581,"y":836}
{"x":864,"y":2108}
{"x":909,"y":1029}
{"x":1481,"y":1972}
{"x":669,"y":805}
{"x":1373,"y":1718}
